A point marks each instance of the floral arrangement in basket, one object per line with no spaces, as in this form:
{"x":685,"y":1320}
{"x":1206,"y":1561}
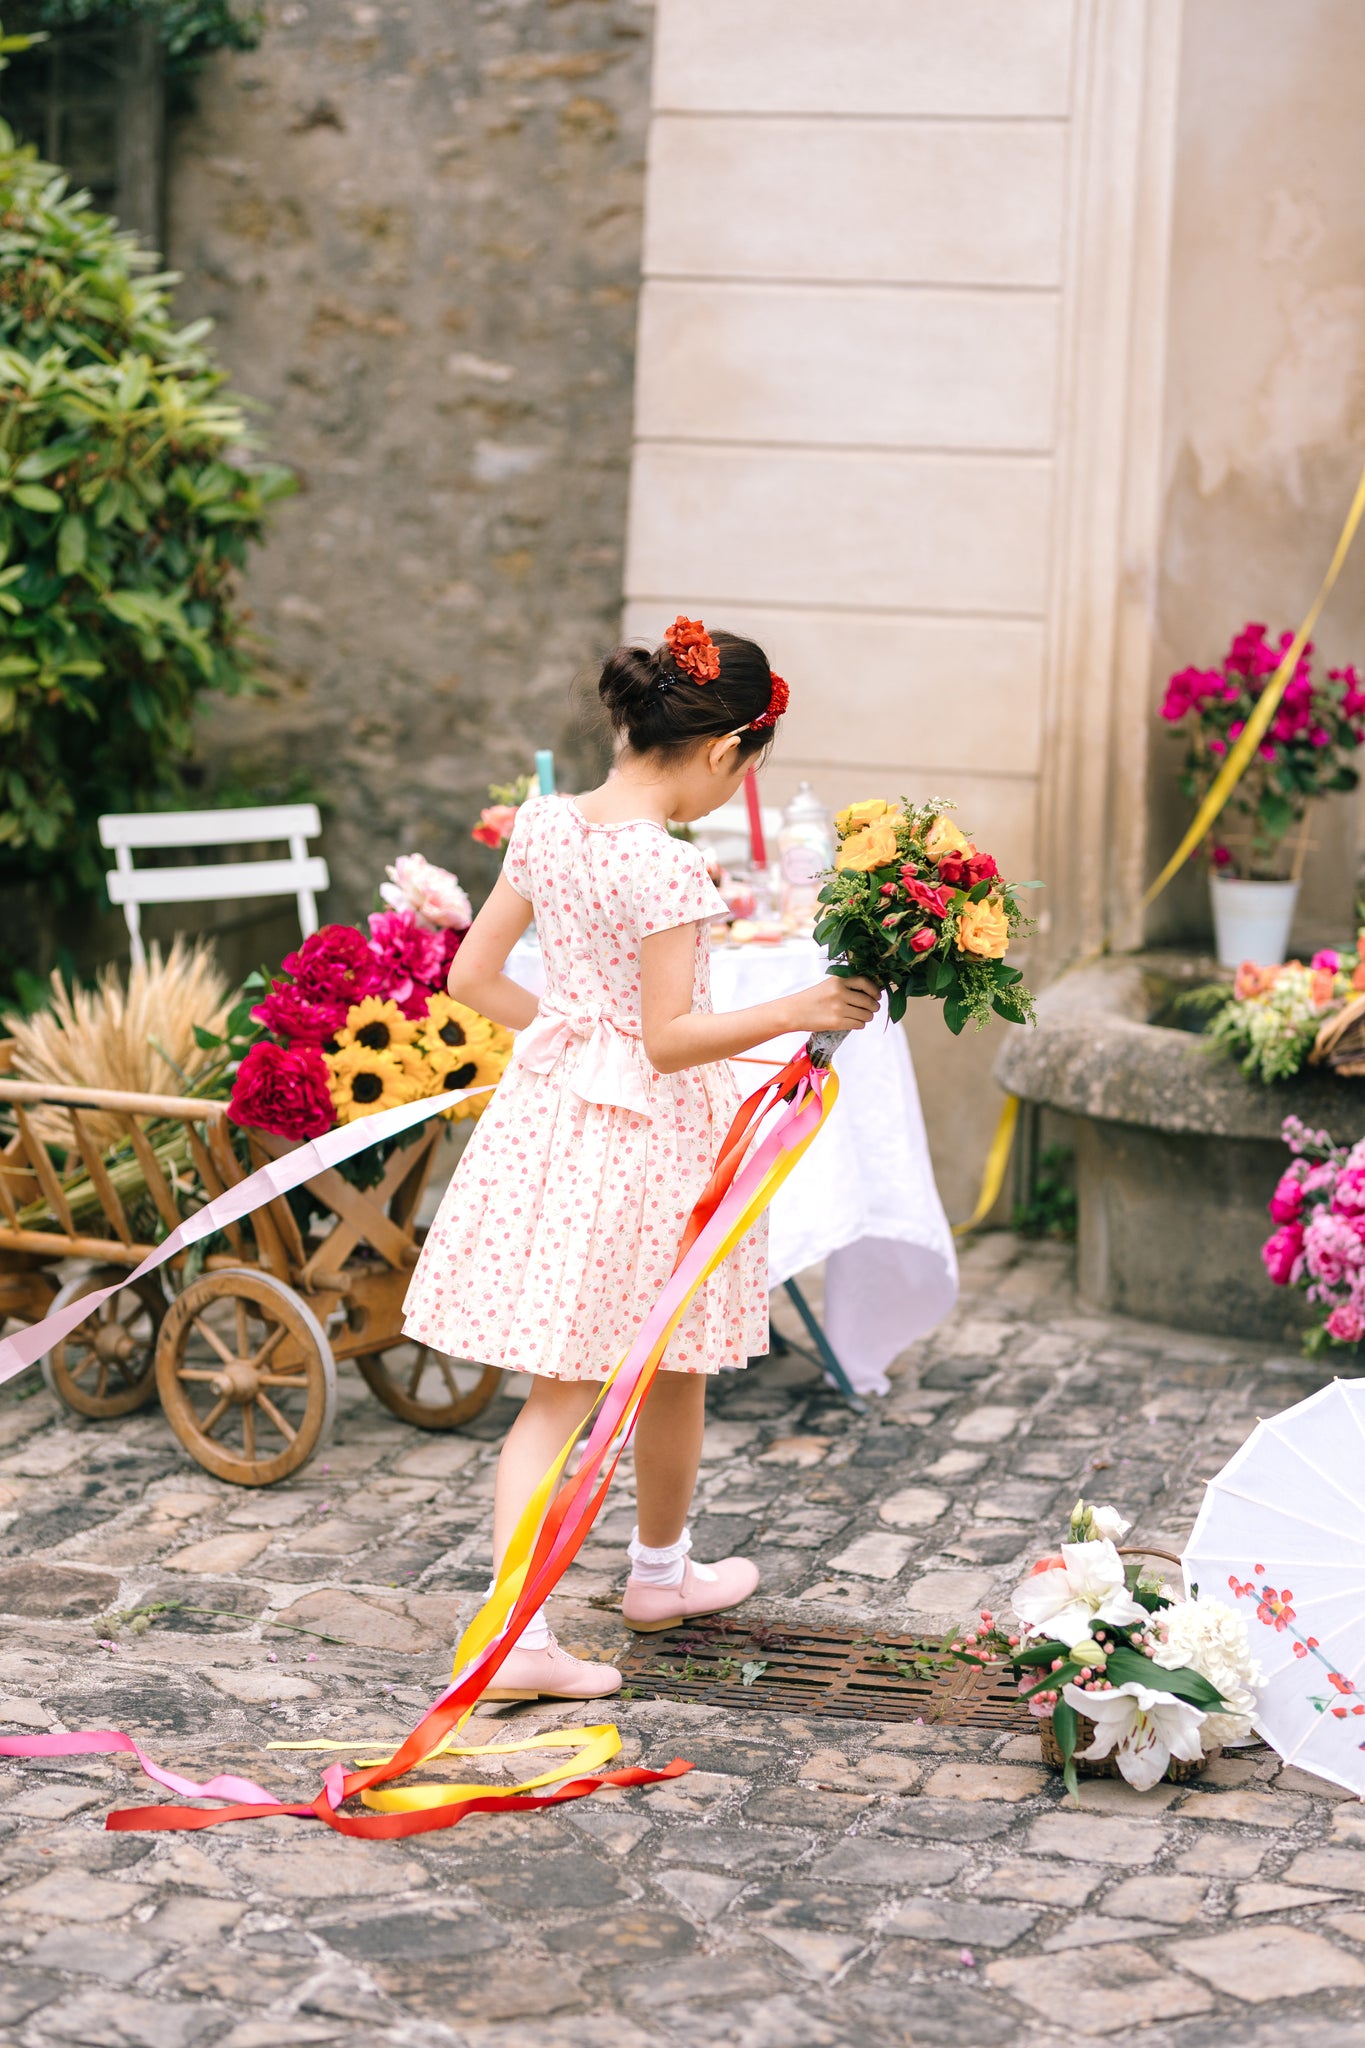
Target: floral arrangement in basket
{"x":917,"y":908}
{"x":358,"y":1022}
{"x":1271,"y":1018}
{"x":1123,"y":1674}
{"x":1319,"y":1244}
{"x":1306,"y":752}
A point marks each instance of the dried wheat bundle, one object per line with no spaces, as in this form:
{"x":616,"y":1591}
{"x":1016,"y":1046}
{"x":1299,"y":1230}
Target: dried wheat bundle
{"x":139,"y":1038}
{"x":1340,"y":1044}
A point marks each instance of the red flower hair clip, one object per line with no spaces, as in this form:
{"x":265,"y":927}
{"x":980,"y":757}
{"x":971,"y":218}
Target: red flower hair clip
{"x":777,"y":704}
{"x":692,"y":649}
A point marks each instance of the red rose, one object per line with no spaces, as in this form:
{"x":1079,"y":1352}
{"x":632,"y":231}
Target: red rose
{"x":923,"y":939}
{"x":335,"y":965}
{"x":955,"y":867}
{"x":283,"y":1090}
{"x":290,"y":1015}
{"x":981,"y":868}
{"x":932,"y":900}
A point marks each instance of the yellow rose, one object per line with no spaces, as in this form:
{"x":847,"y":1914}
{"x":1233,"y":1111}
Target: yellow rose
{"x":873,"y":847}
{"x":983,"y":929}
{"x":944,"y":837}
{"x":852,"y":820}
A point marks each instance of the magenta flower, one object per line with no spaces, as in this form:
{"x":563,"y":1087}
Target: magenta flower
{"x":334,"y":965}
{"x":1332,"y":1252}
{"x":1329,"y":959}
{"x":1280,"y":1254}
{"x":1286,"y":1204}
{"x":290,"y":1014}
{"x":1348,"y":1197}
{"x":1346,"y":1324}
{"x":408,"y":957}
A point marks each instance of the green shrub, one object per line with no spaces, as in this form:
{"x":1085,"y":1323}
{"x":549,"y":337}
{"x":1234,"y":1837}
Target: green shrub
{"x":129,"y":494}
{"x":189,"y":30}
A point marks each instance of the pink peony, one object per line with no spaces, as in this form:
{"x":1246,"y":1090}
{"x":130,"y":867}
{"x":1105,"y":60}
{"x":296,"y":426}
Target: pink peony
{"x":334,"y":965}
{"x":1348,"y":1197}
{"x":1332,"y":1251}
{"x":1286,"y":1204}
{"x":290,"y":1014}
{"x":409,"y":957}
{"x":433,"y":895}
{"x":1280,"y":1253}
{"x":284,"y":1090}
{"x":1346,"y":1324}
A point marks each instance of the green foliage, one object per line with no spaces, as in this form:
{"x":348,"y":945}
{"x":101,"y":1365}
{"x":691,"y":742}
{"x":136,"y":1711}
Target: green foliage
{"x":1050,"y":1210}
{"x":129,"y":494}
{"x":190,"y":30}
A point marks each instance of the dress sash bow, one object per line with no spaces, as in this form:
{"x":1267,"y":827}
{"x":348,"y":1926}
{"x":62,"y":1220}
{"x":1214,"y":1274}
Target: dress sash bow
{"x":610,"y":1068}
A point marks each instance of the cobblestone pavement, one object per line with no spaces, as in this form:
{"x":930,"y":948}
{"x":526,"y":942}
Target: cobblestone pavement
{"x":812,"y":1882}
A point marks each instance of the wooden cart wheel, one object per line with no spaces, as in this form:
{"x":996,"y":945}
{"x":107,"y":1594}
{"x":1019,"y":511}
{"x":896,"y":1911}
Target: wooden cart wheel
{"x":246,"y":1376}
{"x":426,"y":1387}
{"x":108,"y":1365}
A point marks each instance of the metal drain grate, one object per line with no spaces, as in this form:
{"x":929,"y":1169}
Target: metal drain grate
{"x":833,"y":1672}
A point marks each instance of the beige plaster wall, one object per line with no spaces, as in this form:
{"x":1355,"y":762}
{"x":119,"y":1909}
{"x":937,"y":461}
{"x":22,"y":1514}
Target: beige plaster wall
{"x":1265,"y":402}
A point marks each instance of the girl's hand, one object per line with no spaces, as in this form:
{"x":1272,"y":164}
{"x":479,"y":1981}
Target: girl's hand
{"x":836,"y":1004}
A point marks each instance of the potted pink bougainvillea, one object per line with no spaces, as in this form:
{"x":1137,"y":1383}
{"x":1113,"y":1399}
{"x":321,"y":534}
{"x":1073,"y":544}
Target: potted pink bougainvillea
{"x":1257,"y":847}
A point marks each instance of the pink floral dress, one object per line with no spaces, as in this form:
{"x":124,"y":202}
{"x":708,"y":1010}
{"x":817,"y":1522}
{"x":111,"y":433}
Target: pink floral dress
{"x":560,"y":1227}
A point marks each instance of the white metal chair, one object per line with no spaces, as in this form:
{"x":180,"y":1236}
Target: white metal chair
{"x":301,"y":876}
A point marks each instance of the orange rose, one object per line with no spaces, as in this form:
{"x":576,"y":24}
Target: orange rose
{"x":983,"y":929}
{"x":873,"y":847}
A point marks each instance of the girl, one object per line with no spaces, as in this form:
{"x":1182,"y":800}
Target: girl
{"x":559,"y":1230}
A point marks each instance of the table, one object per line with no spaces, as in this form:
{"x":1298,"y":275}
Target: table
{"x":863,"y":1199}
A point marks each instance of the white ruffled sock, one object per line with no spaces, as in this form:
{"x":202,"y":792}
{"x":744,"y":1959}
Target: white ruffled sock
{"x":536,"y":1634}
{"x":664,"y":1566}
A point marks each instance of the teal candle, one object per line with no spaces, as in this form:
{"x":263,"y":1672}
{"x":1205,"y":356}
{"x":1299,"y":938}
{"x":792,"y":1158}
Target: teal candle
{"x":545,"y":771}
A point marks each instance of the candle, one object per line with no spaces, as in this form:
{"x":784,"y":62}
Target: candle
{"x":758,"y":851}
{"x":545,"y":771}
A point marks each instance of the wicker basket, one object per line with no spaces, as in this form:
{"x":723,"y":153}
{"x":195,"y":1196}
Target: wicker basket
{"x":1177,"y":1771}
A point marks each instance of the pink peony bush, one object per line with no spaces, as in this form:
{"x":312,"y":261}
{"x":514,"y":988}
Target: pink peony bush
{"x":1319,"y":1205}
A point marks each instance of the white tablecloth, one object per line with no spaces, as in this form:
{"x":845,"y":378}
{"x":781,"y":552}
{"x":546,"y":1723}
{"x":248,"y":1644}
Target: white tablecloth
{"x":863,"y":1199}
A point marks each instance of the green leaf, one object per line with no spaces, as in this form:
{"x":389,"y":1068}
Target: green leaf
{"x":1126,"y":1667}
{"x":36,"y":498}
{"x":71,"y":544}
{"x":955,"y":1015}
{"x":1038,"y":1653}
{"x":1065,"y":1727}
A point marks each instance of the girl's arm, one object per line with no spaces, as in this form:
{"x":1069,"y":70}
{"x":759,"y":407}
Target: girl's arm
{"x":676,"y":1036}
{"x":476,"y":975}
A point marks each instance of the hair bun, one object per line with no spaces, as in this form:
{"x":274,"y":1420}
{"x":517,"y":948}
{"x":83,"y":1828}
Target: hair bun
{"x":630,"y":675}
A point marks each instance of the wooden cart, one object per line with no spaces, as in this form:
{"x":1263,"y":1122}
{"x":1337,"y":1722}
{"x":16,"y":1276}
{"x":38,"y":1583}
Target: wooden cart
{"x":240,"y":1344}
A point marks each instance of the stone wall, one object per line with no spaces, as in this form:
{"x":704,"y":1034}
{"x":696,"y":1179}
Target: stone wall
{"x":417,"y":228}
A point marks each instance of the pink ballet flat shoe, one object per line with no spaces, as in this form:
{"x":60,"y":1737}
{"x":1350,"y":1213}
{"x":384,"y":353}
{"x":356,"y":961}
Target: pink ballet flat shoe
{"x":647,"y":1608}
{"x":551,"y":1674}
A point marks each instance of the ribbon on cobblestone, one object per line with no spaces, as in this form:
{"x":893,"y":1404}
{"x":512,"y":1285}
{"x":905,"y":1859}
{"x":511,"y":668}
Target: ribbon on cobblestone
{"x":753,"y":1163}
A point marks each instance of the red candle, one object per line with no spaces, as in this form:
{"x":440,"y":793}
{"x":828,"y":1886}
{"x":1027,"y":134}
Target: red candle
{"x":758,"y":851}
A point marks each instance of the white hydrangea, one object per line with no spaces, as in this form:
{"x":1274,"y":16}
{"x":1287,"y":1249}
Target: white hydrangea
{"x":1209,"y":1638}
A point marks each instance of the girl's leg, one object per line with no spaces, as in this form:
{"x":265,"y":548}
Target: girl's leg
{"x":547,"y":1415}
{"x":667,"y":1454}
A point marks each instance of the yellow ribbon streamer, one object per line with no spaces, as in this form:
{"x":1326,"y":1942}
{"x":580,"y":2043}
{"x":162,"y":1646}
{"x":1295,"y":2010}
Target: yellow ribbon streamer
{"x":1237,"y":762}
{"x":997,"y":1159}
{"x":594,"y":1747}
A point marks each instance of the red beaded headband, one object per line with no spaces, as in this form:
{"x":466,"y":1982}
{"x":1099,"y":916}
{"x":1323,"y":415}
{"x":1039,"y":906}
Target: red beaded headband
{"x":694,"y":652}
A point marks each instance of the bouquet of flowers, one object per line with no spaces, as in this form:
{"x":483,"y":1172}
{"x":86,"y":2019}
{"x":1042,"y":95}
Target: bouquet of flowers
{"x":356,"y":1022}
{"x":1116,"y":1665}
{"x":497,"y":818}
{"x":1270,"y":1019}
{"x":1319,"y":1244}
{"x":913,"y":905}
{"x":1306,"y":752}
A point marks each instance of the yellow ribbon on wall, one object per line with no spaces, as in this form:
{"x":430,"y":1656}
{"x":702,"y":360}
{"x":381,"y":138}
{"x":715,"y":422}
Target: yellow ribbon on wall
{"x":1238,"y":761}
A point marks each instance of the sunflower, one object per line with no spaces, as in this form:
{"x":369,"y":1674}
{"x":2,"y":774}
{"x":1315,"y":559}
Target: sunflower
{"x":378,"y":1025}
{"x":363,"y":1081}
{"x":477,"y":1064}
{"x":449,"y":1027}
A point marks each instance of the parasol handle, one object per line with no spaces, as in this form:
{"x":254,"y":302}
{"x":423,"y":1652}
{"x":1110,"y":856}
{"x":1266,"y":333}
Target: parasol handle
{"x":1146,"y":1550}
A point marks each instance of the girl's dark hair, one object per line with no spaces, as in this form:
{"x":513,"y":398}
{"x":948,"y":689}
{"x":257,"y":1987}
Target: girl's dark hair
{"x":659,"y":709}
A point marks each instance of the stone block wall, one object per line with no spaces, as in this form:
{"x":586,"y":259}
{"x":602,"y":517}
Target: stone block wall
{"x":417,"y":229}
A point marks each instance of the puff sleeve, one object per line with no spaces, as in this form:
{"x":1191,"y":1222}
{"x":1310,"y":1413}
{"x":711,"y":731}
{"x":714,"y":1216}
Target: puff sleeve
{"x":672,"y":886}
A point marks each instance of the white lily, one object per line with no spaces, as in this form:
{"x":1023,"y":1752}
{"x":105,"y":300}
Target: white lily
{"x":1067,"y":1600}
{"x":1145,"y":1727}
{"x":1108,"y":1524}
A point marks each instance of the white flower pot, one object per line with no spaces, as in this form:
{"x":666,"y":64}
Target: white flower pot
{"x":1251,"y":920}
